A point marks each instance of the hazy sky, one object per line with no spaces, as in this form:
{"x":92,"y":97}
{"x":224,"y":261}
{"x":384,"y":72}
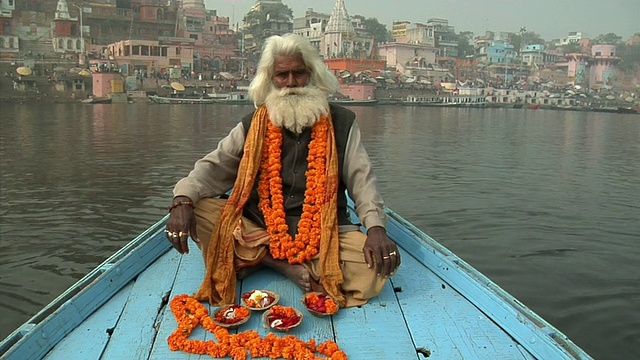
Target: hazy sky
{"x":552,"y":19}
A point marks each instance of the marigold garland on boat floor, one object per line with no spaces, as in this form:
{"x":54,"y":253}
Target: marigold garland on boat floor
{"x":189,"y":312}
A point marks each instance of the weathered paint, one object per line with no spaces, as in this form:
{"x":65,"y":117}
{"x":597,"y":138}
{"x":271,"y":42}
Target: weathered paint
{"x":436,"y":304}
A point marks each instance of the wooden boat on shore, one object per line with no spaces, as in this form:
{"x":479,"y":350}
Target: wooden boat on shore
{"x":97,"y":100}
{"x":435,"y":306}
{"x":180,"y":100}
{"x":233,"y":98}
{"x":352,"y":102}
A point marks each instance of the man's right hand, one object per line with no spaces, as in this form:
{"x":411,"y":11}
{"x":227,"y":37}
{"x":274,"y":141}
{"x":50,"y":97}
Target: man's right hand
{"x":181,"y":224}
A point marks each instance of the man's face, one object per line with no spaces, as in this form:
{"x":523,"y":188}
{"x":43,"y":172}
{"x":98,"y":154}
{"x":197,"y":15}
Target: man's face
{"x":290,"y":72}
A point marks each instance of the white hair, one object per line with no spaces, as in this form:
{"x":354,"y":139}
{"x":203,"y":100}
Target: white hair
{"x":290,"y":45}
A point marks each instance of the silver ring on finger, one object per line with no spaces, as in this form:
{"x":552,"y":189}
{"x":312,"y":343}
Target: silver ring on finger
{"x":385,"y":257}
{"x":393,"y":253}
{"x":174,"y":235}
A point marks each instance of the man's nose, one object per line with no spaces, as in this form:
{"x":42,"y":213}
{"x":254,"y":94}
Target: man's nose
{"x":291,"y":80}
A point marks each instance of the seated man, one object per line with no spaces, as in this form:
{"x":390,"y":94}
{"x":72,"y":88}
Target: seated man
{"x":289,"y":164}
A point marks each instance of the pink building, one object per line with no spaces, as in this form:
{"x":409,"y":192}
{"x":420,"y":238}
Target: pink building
{"x":153,"y":56}
{"x":577,"y":68}
{"x":358,"y":91}
{"x":603,"y":65}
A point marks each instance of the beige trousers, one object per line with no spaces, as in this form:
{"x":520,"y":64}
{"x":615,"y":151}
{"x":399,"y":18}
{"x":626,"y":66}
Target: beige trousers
{"x":251,"y":244}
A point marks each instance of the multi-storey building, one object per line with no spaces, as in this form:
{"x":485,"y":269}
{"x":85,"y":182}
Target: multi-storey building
{"x":445,"y":38}
{"x":399,"y":31}
{"x":312,"y":26}
{"x":603,"y":65}
{"x":8,"y":41}
{"x":72,"y":28}
{"x":573,"y":37}
{"x":214,"y":44}
{"x":260,"y":23}
{"x":154,"y":56}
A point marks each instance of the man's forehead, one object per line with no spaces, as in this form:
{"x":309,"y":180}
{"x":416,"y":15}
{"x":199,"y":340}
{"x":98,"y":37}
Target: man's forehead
{"x":289,"y":62}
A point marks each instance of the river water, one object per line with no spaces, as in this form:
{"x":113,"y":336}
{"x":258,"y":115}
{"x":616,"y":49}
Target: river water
{"x":545,"y":203}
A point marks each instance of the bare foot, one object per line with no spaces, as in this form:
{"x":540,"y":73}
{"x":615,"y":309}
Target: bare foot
{"x":295,"y":272}
{"x":244,"y":272}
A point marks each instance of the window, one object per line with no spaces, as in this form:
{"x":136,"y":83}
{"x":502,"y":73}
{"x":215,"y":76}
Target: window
{"x":178,"y":50}
{"x":193,"y":36}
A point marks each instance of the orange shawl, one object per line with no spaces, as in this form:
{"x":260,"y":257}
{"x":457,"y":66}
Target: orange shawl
{"x":219,"y":284}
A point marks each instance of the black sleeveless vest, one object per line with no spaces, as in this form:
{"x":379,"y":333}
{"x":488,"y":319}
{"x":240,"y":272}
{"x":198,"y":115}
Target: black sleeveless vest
{"x":295,"y":148}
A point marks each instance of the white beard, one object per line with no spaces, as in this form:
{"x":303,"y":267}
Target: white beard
{"x":296,"y":108}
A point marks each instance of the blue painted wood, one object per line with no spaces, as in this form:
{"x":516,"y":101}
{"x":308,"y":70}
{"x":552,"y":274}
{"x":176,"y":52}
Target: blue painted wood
{"x":135,"y":332}
{"x":474,"y":319}
{"x":122,"y":267}
{"x":89,"y":339}
{"x":290,"y":295}
{"x":376,"y":330}
{"x":188,"y":278}
{"x":537,"y":336}
{"x":443,"y":322}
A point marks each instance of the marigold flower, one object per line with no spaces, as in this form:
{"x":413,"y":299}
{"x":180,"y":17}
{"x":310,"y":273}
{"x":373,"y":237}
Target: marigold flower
{"x":306,"y":243}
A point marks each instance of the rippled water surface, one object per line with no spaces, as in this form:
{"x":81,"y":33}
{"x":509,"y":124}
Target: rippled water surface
{"x":545,"y":203}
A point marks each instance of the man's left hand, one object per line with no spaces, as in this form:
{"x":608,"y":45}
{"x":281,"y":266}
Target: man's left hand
{"x":381,"y":252}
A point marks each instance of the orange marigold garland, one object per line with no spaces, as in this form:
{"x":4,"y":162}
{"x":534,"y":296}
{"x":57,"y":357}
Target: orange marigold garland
{"x":189,"y":312}
{"x":307,"y":241}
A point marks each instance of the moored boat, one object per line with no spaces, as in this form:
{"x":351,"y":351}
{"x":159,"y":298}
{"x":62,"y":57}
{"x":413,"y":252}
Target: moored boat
{"x":233,"y":98}
{"x":180,"y":100}
{"x":446,"y":101}
{"x":97,"y":100}
{"x":435,"y":305}
{"x":352,"y":102}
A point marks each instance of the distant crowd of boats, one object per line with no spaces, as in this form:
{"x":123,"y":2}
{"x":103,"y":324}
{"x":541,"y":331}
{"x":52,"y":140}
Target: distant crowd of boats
{"x":461,"y":98}
{"x":236,"y":98}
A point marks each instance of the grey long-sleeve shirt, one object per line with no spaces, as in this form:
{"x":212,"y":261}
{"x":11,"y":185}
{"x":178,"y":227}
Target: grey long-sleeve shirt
{"x":215,"y":174}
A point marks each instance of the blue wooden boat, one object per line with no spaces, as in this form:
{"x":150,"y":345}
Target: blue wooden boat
{"x":436,"y":306}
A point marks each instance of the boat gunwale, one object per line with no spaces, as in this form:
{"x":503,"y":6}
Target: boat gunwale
{"x":19,"y":338}
{"x":528,"y":330}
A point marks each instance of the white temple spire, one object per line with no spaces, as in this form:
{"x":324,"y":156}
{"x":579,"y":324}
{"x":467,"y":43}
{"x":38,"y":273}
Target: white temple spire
{"x":62,"y":11}
{"x":338,"y":35}
{"x":340,"y":22}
